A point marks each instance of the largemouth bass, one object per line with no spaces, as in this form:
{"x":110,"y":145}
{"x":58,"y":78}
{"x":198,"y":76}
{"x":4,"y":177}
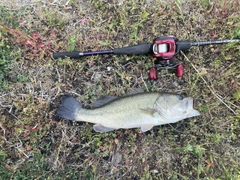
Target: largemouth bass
{"x":143,"y":110}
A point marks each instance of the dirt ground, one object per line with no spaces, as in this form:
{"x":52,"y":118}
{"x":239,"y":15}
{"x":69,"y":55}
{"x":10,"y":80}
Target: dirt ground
{"x":35,"y":144}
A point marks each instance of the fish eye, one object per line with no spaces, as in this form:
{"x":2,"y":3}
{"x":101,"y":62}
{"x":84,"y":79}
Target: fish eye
{"x":180,"y":97}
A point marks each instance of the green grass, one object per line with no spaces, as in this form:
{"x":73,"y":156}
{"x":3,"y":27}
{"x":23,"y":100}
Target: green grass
{"x":37,"y":145}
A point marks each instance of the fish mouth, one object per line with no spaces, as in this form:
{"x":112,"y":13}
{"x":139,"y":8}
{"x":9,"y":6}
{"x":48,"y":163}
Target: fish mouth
{"x":193,"y":113}
{"x":188,"y":104}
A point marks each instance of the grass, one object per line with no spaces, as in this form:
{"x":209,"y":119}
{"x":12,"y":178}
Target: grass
{"x":37,"y":145}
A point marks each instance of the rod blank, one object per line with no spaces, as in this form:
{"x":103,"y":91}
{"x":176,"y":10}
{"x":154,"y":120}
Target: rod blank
{"x":202,"y":43}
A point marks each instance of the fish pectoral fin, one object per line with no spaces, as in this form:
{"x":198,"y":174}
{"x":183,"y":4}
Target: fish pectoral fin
{"x":149,"y":111}
{"x":146,"y":127}
{"x":100,"y":128}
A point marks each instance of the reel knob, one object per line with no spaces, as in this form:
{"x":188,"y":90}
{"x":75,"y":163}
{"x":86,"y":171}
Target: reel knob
{"x":153,"y":73}
{"x":180,"y":70}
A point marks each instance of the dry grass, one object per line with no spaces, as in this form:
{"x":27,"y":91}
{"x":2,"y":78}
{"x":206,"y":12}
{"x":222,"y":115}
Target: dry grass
{"x":37,"y":145}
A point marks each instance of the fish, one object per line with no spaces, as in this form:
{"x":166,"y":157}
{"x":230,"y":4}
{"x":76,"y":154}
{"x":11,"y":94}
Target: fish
{"x":140,"y":110}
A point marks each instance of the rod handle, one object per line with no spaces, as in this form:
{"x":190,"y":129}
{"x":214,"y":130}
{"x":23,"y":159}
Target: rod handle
{"x":136,"y":49}
{"x":75,"y":54}
{"x":183,"y":45}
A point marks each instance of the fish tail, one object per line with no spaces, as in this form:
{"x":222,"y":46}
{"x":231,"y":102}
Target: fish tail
{"x":70,"y":107}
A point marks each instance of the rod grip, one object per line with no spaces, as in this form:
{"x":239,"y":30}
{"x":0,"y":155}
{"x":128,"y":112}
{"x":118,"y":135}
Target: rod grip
{"x":183,"y":45}
{"x":75,"y":54}
{"x":136,"y":49}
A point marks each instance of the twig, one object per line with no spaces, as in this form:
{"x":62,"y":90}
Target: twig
{"x":59,"y":76}
{"x":4,"y":132}
{"x":212,"y":91}
{"x":18,"y":146}
{"x":144,"y":83}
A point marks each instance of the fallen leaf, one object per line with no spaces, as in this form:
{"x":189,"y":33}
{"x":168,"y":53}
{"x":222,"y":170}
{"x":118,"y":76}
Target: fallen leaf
{"x":28,"y":148}
{"x":7,"y":166}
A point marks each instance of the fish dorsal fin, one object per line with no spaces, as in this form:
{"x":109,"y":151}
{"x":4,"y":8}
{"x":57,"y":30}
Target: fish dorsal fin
{"x":135,"y":91}
{"x":149,"y":111}
{"x":146,"y":127}
{"x":104,"y":100}
{"x":107,"y":99}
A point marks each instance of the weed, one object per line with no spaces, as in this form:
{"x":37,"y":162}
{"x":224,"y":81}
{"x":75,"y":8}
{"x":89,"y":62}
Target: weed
{"x":7,"y":55}
{"x":205,"y":3}
{"x":71,"y":43}
{"x":98,"y":4}
{"x":236,"y":95}
{"x":9,"y":17}
{"x":55,"y":20}
{"x":37,"y":145}
{"x":179,"y":3}
{"x":4,"y":84}
{"x":112,"y":24}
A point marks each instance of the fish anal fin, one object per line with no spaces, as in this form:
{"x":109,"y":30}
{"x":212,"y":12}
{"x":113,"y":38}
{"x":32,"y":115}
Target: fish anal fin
{"x":149,"y":111}
{"x":146,"y":127}
{"x":100,"y":128}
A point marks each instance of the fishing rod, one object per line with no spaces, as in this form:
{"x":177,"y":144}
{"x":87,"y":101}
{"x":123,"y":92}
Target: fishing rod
{"x":163,"y":48}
